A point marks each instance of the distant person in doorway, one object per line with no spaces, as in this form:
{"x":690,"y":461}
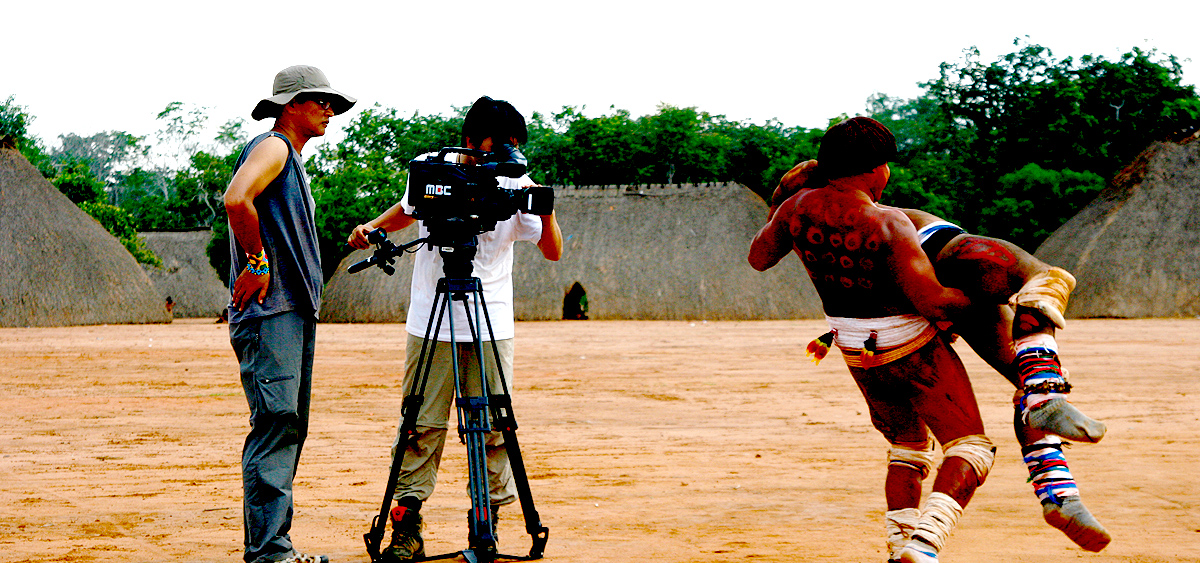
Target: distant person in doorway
{"x":575,"y":303}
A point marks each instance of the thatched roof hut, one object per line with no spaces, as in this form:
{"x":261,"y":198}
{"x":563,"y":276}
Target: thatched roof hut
{"x":60,"y":266}
{"x":186,"y":276}
{"x":1135,"y":250}
{"x":658,"y":252}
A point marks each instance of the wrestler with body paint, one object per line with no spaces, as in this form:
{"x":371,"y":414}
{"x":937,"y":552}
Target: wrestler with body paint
{"x":880,"y":292}
{"x":1017,"y":303}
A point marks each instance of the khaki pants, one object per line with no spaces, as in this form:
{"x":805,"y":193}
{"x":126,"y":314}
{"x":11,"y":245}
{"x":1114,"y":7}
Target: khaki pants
{"x":418,"y":474}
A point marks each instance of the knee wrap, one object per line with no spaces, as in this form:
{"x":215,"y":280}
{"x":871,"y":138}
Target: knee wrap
{"x":977,"y":450}
{"x":1047,"y":292}
{"x":912,"y":455}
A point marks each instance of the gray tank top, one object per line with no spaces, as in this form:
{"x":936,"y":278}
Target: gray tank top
{"x":289,"y":234}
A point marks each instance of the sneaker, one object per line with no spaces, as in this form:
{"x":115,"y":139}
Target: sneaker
{"x":407,"y":543}
{"x":293,"y":557}
{"x":298,"y":557}
{"x":915,"y":553}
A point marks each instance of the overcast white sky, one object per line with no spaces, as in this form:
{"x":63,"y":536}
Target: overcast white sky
{"x":85,"y":67}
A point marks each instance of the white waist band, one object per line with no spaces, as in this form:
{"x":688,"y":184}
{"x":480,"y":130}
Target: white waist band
{"x":890,"y":332}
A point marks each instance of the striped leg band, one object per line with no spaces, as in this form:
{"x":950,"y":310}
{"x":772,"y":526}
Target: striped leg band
{"x":1048,"y":471}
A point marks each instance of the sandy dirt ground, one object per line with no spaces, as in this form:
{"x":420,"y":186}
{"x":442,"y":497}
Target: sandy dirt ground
{"x":645,"y":441}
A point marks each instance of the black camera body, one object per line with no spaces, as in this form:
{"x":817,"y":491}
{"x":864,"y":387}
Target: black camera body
{"x":458,"y":201}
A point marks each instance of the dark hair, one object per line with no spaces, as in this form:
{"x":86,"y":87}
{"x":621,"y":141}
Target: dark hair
{"x":497,"y":119}
{"x":855,"y":146}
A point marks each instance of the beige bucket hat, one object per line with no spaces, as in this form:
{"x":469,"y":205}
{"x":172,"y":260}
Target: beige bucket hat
{"x":295,"y":80}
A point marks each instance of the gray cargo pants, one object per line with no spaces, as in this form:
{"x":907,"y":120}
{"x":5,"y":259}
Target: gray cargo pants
{"x":275,"y":355}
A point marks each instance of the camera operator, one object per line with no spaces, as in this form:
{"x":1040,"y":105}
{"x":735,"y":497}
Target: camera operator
{"x":489,"y":123}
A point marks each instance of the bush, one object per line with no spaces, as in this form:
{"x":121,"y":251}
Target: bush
{"x":1036,"y":202}
{"x":120,"y":224}
{"x":75,"y":180}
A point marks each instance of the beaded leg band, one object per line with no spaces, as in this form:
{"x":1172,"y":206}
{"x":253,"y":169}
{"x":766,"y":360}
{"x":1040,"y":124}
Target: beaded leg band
{"x":1041,"y":400}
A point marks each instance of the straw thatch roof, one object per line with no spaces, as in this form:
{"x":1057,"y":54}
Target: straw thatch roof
{"x":1135,"y":250}
{"x":186,"y":276}
{"x":659,"y":252}
{"x":60,"y":266}
{"x":369,"y":296}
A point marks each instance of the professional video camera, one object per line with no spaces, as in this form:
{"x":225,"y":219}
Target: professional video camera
{"x":458,"y":201}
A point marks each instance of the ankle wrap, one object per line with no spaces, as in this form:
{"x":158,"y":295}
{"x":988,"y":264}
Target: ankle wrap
{"x":1048,"y":471}
{"x":938,"y":519}
{"x":900,"y":525}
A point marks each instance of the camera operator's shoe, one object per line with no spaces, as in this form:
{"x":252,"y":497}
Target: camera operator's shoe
{"x":407,"y":543}
{"x":477,"y":543}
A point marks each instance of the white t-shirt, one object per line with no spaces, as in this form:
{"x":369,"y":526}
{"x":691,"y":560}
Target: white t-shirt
{"x":492,"y":264}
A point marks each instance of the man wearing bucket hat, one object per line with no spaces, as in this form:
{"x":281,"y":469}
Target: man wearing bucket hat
{"x":276,"y":281}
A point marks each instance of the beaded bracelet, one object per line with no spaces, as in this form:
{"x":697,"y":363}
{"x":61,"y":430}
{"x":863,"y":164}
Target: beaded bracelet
{"x":258,"y":264}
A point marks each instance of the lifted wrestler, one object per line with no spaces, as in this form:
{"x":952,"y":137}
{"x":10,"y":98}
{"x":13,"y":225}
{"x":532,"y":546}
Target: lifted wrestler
{"x":1018,"y":301}
{"x":879,"y":292}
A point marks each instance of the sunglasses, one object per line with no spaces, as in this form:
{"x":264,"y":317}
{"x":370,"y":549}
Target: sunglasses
{"x":321,"y":102}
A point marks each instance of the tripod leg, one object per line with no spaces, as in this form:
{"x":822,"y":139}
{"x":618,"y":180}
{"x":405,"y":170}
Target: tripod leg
{"x":506,"y":423}
{"x":474,"y":426}
{"x":482,"y":539}
{"x":410,"y":412}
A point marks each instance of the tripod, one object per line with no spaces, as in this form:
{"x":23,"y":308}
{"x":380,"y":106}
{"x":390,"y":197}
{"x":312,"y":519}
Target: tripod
{"x":478,"y":414}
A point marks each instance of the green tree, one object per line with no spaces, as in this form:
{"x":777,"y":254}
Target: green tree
{"x":672,"y":139}
{"x":591,"y":151}
{"x":121,"y":224}
{"x":198,"y":191}
{"x":75,"y":180}
{"x":1037,"y":201}
{"x":674,"y":145}
{"x":105,"y":153}
{"x":14,"y":131}
{"x":14,"y":122}
{"x":978,"y":122}
{"x":1132,"y":101}
{"x":144,"y":194}
{"x":759,"y":155}
{"x":548,"y":148}
{"x":177,"y":137}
